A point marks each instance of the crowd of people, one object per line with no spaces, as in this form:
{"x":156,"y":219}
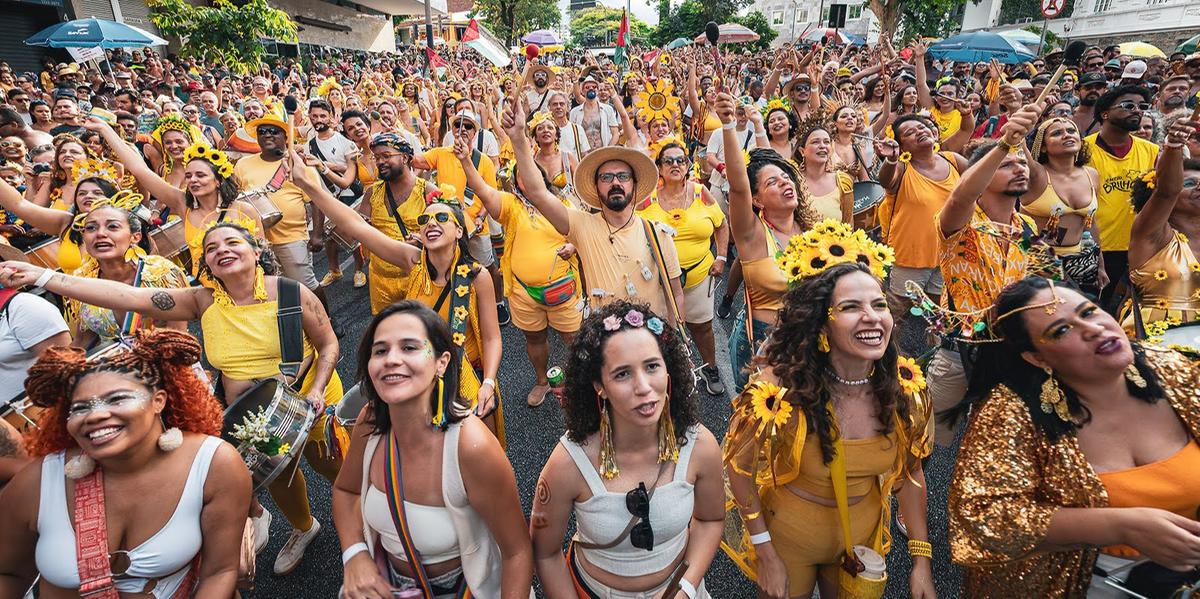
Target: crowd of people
{"x":1040,"y":223}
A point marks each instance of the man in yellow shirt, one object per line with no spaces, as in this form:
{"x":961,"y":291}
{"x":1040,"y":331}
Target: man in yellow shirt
{"x":1120,"y":159}
{"x":266,"y":172}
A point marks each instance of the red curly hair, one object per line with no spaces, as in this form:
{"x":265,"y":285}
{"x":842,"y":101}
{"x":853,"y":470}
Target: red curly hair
{"x":162,"y":359}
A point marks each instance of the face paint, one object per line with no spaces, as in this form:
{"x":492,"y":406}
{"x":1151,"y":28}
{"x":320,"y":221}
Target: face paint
{"x":427,"y":349}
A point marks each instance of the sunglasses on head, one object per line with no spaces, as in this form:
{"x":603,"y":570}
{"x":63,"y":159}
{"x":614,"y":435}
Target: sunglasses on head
{"x":637,"y":502}
{"x":440,"y":217}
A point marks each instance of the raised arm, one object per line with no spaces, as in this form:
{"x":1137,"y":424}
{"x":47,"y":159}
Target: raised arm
{"x":693,"y":99}
{"x":1150,"y":230}
{"x":160,"y":304}
{"x":168,"y":194}
{"x":923,"y":95}
{"x":47,"y":220}
{"x":535,"y":188}
{"x":959,"y":139}
{"x":488,"y":194}
{"x":742,"y":221}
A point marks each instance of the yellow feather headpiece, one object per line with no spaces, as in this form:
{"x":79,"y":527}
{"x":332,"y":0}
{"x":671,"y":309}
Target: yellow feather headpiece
{"x":328,"y":85}
{"x":94,"y":168}
{"x":127,"y":200}
{"x":238,"y":219}
{"x":832,"y":242}
{"x":539,"y":118}
{"x":206,"y":152}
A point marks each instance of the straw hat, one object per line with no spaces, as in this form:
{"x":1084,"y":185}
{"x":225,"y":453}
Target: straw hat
{"x":643,"y":170}
{"x":252,"y":126}
{"x":550,"y":74}
{"x":799,"y":78}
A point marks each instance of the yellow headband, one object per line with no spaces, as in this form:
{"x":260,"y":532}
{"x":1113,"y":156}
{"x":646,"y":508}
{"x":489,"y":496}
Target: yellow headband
{"x":218,"y":158}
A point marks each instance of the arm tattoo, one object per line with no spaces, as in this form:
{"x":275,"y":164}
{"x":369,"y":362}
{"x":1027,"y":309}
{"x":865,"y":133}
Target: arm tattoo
{"x":542,"y":495}
{"x":10,"y":443}
{"x":162,"y":300}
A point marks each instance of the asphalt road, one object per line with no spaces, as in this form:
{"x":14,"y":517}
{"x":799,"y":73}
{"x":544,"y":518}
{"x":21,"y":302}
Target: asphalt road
{"x":532,"y":433}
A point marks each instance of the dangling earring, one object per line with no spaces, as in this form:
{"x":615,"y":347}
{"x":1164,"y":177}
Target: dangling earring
{"x":1134,"y":376}
{"x":438,"y":418}
{"x":260,"y":285}
{"x":1052,"y":398}
{"x":937,"y":147}
{"x":79,"y":466}
{"x":171,"y":438}
{"x":608,"y":455}
{"x":668,"y":445}
{"x":823,"y":343}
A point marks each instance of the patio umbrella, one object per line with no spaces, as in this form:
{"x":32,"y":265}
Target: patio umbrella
{"x":731,"y":33}
{"x":1141,"y":50}
{"x":679,"y":42}
{"x":541,"y":37}
{"x":93,"y":32}
{"x":839,"y":37}
{"x":1021,"y":36}
{"x":1190,"y":45}
{"x":979,"y":46}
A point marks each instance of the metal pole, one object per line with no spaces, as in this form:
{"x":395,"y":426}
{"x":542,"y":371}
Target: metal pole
{"x":1042,"y":42}
{"x":428,"y":37}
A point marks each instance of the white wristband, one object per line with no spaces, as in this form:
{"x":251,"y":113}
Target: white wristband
{"x":687,"y":588}
{"x":352,"y":551}
{"x":488,"y":381}
{"x":760,"y":538}
{"x":41,"y":281}
{"x":721,"y":259}
{"x":729,"y":126}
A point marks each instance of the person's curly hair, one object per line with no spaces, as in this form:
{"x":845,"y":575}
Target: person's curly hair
{"x":801,"y":367}
{"x":161,"y":359}
{"x":582,"y":407}
{"x":760,"y":158}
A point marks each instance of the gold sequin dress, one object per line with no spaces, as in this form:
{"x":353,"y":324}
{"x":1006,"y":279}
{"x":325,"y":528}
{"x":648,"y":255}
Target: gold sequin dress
{"x":1009,"y":481}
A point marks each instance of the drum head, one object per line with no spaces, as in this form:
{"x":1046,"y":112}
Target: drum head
{"x":10,"y":253}
{"x":1184,"y":338}
{"x":352,"y":403}
{"x":867,"y":194}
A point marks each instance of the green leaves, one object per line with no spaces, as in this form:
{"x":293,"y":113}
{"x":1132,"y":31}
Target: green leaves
{"x":598,"y":26}
{"x":223,"y":32}
{"x":510,"y":19}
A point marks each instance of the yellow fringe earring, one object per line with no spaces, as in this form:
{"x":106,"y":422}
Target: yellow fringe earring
{"x":823,"y":343}
{"x":608,"y":455}
{"x":134,"y":253}
{"x":441,"y":402}
{"x":260,"y":284}
{"x":668,"y":445}
{"x":1132,"y":375}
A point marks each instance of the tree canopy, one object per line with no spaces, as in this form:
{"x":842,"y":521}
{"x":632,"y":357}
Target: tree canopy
{"x":224,"y":32}
{"x":597,"y":26}
{"x":510,"y":19}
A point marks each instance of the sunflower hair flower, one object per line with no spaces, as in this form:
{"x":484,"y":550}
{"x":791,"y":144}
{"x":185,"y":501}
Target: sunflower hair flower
{"x":912,"y":380}
{"x":769,"y":407}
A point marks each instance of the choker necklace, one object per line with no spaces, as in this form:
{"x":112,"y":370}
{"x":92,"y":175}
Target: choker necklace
{"x":851,"y":383}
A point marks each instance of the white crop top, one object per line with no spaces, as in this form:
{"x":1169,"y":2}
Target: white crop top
{"x":431,"y":527}
{"x":166,"y":555}
{"x":604,"y":516}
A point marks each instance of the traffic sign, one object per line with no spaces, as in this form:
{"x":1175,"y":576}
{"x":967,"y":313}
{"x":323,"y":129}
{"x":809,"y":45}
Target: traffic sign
{"x":1052,"y":8}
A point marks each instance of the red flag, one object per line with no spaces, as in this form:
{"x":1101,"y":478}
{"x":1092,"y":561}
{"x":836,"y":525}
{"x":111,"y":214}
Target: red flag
{"x":472,"y":32}
{"x":435,"y":61}
{"x":624,"y":29}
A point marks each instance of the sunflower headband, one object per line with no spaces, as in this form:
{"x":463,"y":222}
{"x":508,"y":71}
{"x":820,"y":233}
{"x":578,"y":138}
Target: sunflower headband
{"x":539,"y":118}
{"x":828,"y":243}
{"x":173,"y":123}
{"x":93,"y":168}
{"x":776,"y":104}
{"x":216,"y":157}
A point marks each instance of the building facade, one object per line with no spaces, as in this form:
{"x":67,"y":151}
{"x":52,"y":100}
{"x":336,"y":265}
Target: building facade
{"x":793,"y":19}
{"x":1164,"y":23}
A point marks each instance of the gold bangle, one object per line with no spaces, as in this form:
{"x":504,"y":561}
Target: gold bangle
{"x":751,"y":516}
{"x":920,"y":548}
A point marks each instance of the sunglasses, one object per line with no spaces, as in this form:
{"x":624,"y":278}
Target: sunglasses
{"x":270,"y":131}
{"x":465,"y":126}
{"x":675,"y":160}
{"x":623,"y":176}
{"x":440,"y":217}
{"x":802,"y":87}
{"x":637,"y":502}
{"x":1131,"y":105}
{"x":11,"y":144}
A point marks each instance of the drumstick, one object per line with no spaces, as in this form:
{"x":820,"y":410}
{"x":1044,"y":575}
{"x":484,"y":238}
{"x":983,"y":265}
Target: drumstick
{"x":1071,"y":56}
{"x":676,"y":576}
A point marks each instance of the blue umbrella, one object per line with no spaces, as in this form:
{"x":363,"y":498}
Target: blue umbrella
{"x":93,"y":32}
{"x":1025,"y":38}
{"x":979,"y":46}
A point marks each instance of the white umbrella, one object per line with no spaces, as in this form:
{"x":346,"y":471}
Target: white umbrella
{"x":731,"y":33}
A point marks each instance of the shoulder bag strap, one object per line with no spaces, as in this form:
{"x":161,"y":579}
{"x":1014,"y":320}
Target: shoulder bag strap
{"x":291,"y":328}
{"x":394,"y":208}
{"x":837,"y":472}
{"x":662,"y":468}
{"x":657,"y":253}
{"x":394,"y":481}
{"x":91,"y":538}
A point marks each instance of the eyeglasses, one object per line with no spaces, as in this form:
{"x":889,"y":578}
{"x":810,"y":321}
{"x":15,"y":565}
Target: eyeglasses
{"x":623,"y":176}
{"x":440,"y":217}
{"x":637,"y":502}
{"x":1130,"y":105}
{"x":668,"y":161}
{"x":41,"y":149}
{"x":119,"y":402}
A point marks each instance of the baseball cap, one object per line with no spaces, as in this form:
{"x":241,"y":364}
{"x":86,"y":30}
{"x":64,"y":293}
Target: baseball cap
{"x":1112,"y":64}
{"x":1136,"y":69}
{"x":1091,"y":78}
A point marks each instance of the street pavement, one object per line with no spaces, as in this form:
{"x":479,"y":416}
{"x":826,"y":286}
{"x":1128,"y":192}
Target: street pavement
{"x":532,"y":434}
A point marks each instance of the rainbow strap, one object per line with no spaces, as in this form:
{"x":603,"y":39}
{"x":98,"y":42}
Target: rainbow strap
{"x":133,"y":319}
{"x":394,"y":482}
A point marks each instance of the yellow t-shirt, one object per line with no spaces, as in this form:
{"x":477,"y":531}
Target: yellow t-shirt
{"x":694,"y":227}
{"x":531,"y":245}
{"x":1115,"y":213}
{"x":613,"y":259}
{"x":450,"y":171}
{"x":908,"y":217}
{"x":252,"y":172}
{"x":948,"y":122}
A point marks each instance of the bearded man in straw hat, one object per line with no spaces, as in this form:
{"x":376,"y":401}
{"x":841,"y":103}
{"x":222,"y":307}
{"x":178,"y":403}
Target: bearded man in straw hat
{"x":622,"y":256}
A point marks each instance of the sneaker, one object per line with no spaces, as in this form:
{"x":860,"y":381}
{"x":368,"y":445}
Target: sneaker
{"x":725,"y":309}
{"x":711,"y":377}
{"x":537,"y":395}
{"x":360,"y":279}
{"x":330,"y":277}
{"x":262,"y":530}
{"x":293,"y":550}
{"x":502,"y":313}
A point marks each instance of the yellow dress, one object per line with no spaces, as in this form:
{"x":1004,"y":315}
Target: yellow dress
{"x":1168,"y":284}
{"x":694,"y":228}
{"x":388,"y":281}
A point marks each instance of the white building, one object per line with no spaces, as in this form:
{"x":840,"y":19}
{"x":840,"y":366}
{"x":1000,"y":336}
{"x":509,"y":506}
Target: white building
{"x":794,"y":18}
{"x":1164,"y":23}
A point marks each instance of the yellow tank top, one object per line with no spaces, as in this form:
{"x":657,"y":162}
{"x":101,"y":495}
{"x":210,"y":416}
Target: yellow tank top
{"x":907,"y":216}
{"x":948,"y":122}
{"x":194,"y":235}
{"x":243,"y":341}
{"x":1051,"y":207}
{"x":694,"y":228}
{"x":70,"y":255}
{"x":383,"y":219}
{"x":1167,"y":283}
{"x":1168,"y":484}
{"x":866,"y":460}
{"x":765,"y":283}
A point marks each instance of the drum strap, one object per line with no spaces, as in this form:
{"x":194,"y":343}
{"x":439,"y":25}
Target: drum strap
{"x":393,"y":208}
{"x":476,"y":156}
{"x":394,"y":481}
{"x":291,"y":329}
{"x":133,"y":319}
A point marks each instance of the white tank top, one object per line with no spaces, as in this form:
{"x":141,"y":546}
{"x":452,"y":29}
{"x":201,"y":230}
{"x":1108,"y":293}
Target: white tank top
{"x":604,"y":516}
{"x":165,"y":555}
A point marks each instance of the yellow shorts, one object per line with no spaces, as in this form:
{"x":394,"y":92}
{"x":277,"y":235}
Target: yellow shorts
{"x":528,"y":315}
{"x":808,"y":536}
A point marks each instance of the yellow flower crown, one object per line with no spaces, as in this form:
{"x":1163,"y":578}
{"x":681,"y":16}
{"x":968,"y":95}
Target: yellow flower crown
{"x":832,"y":242}
{"x":218,"y":158}
{"x":656,"y":148}
{"x":777,"y":104}
{"x":244,"y":222}
{"x":173,"y":123}
{"x":93,"y":168}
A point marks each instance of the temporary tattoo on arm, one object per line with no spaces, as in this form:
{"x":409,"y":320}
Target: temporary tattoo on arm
{"x":538,"y":521}
{"x":542,"y":495}
{"x":162,"y":300}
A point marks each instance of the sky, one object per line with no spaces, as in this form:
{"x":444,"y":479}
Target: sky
{"x":641,"y":9}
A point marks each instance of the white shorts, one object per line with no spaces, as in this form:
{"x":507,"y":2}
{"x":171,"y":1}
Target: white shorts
{"x":698,"y":301}
{"x":480,"y":248}
{"x":295,"y":262}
